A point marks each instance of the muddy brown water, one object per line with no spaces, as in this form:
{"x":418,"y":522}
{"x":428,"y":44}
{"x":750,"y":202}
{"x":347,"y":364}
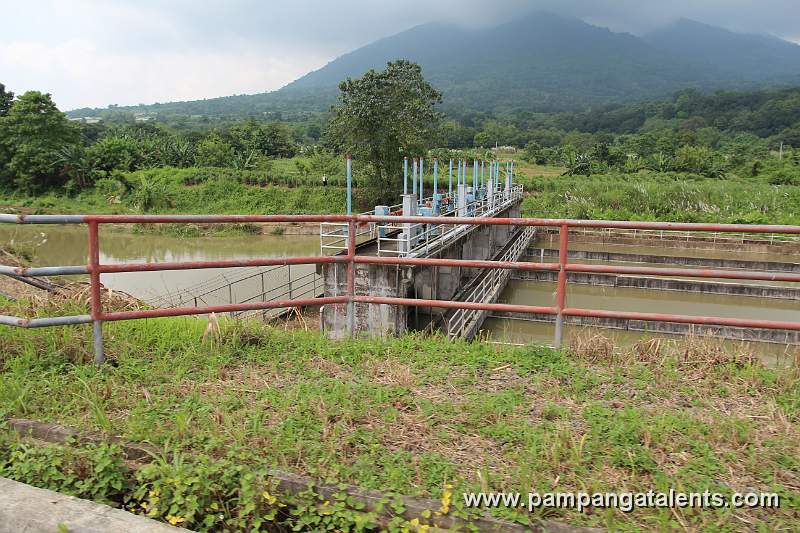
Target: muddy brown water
{"x":68,"y":245}
{"x":661,"y":301}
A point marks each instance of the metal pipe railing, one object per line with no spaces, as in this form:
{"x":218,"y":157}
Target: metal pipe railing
{"x":94,"y":268}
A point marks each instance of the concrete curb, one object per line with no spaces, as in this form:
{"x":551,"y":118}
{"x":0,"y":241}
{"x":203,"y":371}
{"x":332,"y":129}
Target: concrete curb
{"x":26,"y":509}
{"x":288,"y":483}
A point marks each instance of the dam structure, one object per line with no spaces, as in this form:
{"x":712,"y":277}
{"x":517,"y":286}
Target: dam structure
{"x":484,"y":190}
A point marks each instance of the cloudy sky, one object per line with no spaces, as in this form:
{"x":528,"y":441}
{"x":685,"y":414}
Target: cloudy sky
{"x":99,"y":52}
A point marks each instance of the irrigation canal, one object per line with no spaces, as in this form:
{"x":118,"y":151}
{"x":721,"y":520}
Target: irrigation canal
{"x":55,"y":245}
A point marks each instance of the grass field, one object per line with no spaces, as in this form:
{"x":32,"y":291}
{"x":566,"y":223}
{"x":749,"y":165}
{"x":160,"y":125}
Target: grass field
{"x":672,"y":197}
{"x":414,"y":415}
{"x":662,"y":197}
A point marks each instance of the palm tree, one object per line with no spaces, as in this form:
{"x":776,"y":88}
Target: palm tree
{"x":73,"y":160}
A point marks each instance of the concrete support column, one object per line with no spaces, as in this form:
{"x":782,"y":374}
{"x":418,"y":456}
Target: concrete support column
{"x":462,"y":200}
{"x":409,"y":232}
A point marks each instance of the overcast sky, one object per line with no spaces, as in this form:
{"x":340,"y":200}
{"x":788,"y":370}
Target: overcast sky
{"x":99,"y":52}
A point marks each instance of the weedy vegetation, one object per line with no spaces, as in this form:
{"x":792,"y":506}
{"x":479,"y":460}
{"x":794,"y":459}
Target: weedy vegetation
{"x":414,"y":415}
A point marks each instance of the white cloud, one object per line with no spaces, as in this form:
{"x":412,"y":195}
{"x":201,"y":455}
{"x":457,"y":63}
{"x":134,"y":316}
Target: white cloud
{"x":97,"y":52}
{"x":78,"y":73}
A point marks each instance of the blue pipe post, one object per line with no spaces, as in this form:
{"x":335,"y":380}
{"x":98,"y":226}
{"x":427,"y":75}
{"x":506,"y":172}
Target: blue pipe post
{"x":349,"y":185}
{"x":414,"y":177}
{"x":450,"y":190}
{"x":435,"y":175}
{"x":405,"y":175}
{"x":483,"y":182}
{"x":475,"y":176}
{"x":511,"y":177}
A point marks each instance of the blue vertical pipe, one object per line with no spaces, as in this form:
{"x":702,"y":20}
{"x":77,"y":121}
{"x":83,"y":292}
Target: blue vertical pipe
{"x":435,"y":175}
{"x":483,"y":182}
{"x":511,"y":180}
{"x":450,"y":190}
{"x":405,"y":175}
{"x":414,"y":177}
{"x":349,"y":185}
{"x":475,"y":175}
{"x":421,"y":177}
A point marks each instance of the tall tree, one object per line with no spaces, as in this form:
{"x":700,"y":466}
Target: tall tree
{"x":382,"y":115}
{"x":6,"y":97}
{"x":32,"y":132}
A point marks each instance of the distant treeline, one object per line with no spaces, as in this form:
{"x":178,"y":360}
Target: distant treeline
{"x":710,"y":135}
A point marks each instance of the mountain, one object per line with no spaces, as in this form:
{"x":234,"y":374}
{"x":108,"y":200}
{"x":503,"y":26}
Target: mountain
{"x":753,"y":57}
{"x":539,"y":62}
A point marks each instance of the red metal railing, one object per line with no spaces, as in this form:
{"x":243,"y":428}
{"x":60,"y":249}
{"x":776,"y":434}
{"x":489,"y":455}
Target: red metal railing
{"x":94,"y":268}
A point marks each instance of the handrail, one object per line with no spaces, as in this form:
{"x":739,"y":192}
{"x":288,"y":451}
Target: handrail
{"x":487,"y":288}
{"x":95,"y":268}
{"x":431,"y":236}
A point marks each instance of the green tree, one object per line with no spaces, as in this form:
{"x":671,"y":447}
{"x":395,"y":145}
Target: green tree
{"x":382,"y":115}
{"x":534,"y":154}
{"x":6,"y":97}
{"x":214,"y":151}
{"x":31,"y":133}
{"x":79,"y":165}
{"x":273,"y":139}
{"x":116,"y":152}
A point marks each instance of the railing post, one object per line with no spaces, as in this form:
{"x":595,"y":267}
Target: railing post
{"x":351,"y":276}
{"x":94,"y":285}
{"x":561,"y":290}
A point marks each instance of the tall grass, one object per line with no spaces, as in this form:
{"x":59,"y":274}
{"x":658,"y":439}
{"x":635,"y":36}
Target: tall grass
{"x":415,"y":413}
{"x":663,"y":197}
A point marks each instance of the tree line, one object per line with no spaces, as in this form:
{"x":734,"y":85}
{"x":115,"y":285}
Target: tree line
{"x":394,"y":112}
{"x":41,"y":149}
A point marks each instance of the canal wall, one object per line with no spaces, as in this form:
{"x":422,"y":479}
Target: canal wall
{"x":539,"y":253}
{"x":665,"y":284}
{"x":724,"y":332}
{"x":666,"y":239}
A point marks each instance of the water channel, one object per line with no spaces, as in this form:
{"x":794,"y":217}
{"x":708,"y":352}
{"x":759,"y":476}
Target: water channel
{"x":59,"y":245}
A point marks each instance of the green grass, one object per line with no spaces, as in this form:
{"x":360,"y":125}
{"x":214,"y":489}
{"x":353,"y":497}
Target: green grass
{"x":413,"y":414}
{"x":220,"y":191}
{"x":663,"y":197}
